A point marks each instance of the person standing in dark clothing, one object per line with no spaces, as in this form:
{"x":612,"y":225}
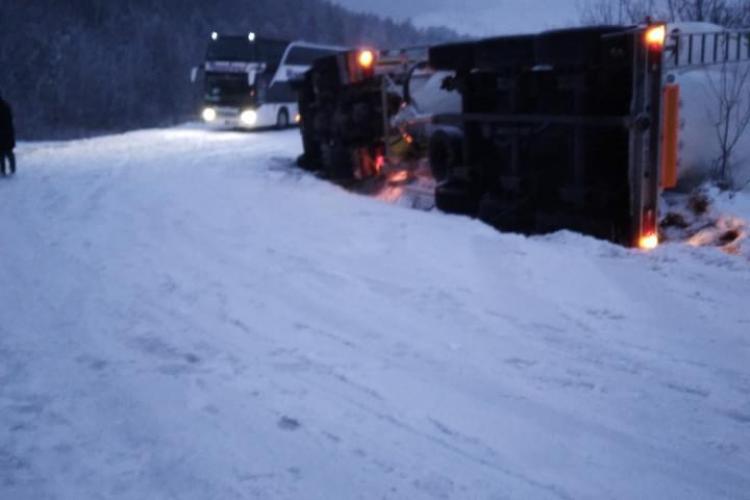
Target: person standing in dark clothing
{"x":7,"y":138}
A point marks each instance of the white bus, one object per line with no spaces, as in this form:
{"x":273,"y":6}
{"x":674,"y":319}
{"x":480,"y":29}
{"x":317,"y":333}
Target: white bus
{"x":247,"y":80}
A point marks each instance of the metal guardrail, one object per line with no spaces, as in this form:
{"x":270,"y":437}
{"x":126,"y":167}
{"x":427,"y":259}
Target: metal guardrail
{"x":686,"y":50}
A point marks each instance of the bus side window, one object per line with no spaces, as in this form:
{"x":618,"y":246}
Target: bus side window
{"x":296,"y":56}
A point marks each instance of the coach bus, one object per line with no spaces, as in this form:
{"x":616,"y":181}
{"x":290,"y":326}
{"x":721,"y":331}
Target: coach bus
{"x":247,"y":79}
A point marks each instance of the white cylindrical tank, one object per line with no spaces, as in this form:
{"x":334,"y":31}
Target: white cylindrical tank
{"x":428,"y":96}
{"x":701,"y":88}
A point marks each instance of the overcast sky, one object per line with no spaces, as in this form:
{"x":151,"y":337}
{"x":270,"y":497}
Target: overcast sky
{"x":476,"y":17}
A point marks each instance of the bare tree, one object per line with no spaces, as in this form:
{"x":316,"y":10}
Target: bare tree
{"x":728,"y":13}
{"x":638,"y":10}
{"x":690,"y":10}
{"x":618,"y":11}
{"x":729,"y":88}
{"x":600,"y":12}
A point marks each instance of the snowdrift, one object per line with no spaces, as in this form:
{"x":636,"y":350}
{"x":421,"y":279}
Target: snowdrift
{"x":186,"y":315}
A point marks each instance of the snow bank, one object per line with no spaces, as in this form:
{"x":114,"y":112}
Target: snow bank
{"x":708,"y":217}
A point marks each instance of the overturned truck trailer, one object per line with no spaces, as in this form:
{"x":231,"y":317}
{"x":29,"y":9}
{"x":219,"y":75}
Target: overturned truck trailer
{"x":554,"y":131}
{"x":561,"y":131}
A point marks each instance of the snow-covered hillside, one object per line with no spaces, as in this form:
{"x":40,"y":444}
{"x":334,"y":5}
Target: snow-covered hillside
{"x":185,"y":315}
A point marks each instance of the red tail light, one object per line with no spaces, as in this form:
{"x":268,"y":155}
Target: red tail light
{"x":649,"y":238}
{"x":649,"y":241}
{"x":379,"y":162}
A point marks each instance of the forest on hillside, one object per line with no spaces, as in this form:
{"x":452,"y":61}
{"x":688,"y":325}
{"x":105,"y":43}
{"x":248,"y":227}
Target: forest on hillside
{"x":80,"y":67}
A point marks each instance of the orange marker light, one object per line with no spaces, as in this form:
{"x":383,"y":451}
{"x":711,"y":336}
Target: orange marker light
{"x":400,"y":176}
{"x":648,"y":241}
{"x":366,"y":58}
{"x":656,"y":36}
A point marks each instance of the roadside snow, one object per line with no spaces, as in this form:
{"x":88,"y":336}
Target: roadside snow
{"x":708,"y":216}
{"x":185,"y":315}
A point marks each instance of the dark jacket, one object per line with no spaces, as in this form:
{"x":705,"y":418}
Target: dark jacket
{"x":7,"y":134}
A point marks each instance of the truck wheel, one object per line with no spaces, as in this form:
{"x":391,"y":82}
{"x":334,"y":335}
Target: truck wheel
{"x":445,"y":152}
{"x":282,"y":119}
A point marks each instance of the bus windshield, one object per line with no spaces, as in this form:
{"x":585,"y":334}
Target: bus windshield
{"x":241,"y":49}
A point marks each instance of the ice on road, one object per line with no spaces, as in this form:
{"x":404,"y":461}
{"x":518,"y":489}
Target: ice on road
{"x":184,"y":315}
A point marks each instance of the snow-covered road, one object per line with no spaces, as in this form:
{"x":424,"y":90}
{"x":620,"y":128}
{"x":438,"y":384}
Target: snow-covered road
{"x":186,"y":316}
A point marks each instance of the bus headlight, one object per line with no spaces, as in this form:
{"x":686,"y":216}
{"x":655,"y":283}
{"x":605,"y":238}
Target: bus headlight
{"x":208,"y":114}
{"x":248,"y":117}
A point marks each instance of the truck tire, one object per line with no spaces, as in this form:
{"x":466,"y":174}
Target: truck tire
{"x":282,"y":119}
{"x":445,"y":152}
